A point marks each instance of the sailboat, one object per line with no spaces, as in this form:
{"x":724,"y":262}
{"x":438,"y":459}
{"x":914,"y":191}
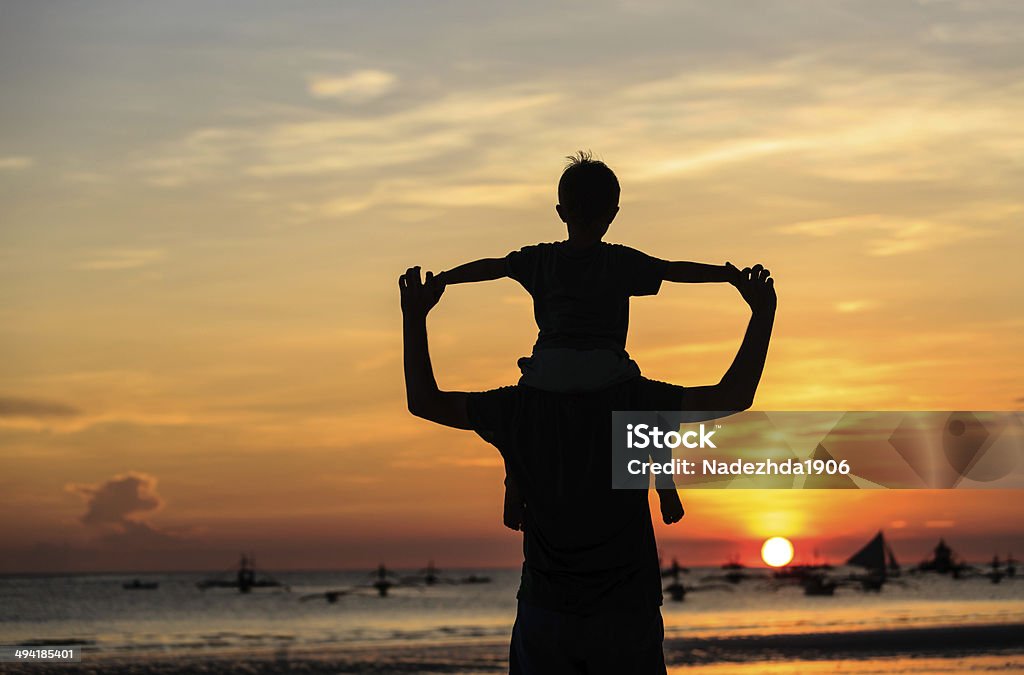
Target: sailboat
{"x":140,"y":585}
{"x":245,"y":579}
{"x":878,"y":559}
{"x":996,"y":574}
{"x":383,"y":582}
{"x":677,"y":590}
{"x":943,"y":561}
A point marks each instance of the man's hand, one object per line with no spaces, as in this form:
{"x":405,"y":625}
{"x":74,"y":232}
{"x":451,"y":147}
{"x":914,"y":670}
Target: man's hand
{"x":757,"y":287}
{"x":419,"y":297}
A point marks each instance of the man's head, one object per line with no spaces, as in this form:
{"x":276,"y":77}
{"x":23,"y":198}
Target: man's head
{"x":588,"y":197}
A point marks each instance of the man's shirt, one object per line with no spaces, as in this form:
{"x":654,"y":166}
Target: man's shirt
{"x":587,"y":547}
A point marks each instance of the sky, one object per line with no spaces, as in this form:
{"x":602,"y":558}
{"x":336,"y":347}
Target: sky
{"x":204,"y":209}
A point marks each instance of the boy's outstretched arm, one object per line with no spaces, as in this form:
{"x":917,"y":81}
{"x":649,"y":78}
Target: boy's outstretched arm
{"x":424,"y":398}
{"x":486,"y":269}
{"x":683,"y":272}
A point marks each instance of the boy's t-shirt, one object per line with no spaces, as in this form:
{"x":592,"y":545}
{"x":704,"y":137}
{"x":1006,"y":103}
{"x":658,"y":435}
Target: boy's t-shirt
{"x":581,"y":295}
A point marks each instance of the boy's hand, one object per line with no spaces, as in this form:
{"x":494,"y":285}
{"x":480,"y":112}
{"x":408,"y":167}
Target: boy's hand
{"x":733,"y":273}
{"x":419,"y":297}
{"x":757,"y":287}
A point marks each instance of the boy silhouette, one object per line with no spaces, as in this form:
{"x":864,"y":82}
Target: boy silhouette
{"x":581,"y":289}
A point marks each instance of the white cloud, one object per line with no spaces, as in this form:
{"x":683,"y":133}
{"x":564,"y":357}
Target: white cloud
{"x":886,"y":235}
{"x":15,"y":162}
{"x":121,"y":259}
{"x":324,"y":144}
{"x":358,"y":87}
{"x":854,"y":306}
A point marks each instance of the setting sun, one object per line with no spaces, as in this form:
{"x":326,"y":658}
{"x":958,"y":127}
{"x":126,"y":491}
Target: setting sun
{"x":777,"y":551}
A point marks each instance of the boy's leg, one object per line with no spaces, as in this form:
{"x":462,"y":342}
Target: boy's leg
{"x":514,"y":509}
{"x":671,"y":507}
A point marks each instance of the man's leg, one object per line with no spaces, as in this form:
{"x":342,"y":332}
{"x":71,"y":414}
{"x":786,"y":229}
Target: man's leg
{"x":624,"y":642}
{"x":542,"y":644}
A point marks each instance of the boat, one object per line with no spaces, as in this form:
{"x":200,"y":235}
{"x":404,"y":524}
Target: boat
{"x":674,"y":569}
{"x":428,"y":576}
{"x":996,"y":574}
{"x":943,"y":561}
{"x":877,"y":558}
{"x":331,"y":596}
{"x":798,"y":572}
{"x":733,"y":564}
{"x":676,"y":591}
{"x":245,"y":579}
{"x":431,"y":575}
{"x":383,"y":582}
{"x":139,"y":585}
{"x":818,"y":585}
{"x":734,"y":570}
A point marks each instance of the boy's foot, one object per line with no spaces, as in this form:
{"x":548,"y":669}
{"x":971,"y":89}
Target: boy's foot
{"x":671,"y":507}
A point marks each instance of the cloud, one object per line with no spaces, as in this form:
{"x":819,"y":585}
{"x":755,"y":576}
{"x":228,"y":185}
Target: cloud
{"x":121,"y":259}
{"x":357,"y":87}
{"x":939,"y":524}
{"x":325,"y":144}
{"x":494,"y":194}
{"x":854,"y":306}
{"x":116,"y":500}
{"x":132,"y":534}
{"x":886,"y":235}
{"x":35,"y":408}
{"x":983,"y":34}
{"x":15,"y":162}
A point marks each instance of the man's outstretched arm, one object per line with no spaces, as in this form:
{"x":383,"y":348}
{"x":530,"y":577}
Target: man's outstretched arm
{"x":422,"y":394}
{"x":735,"y":391}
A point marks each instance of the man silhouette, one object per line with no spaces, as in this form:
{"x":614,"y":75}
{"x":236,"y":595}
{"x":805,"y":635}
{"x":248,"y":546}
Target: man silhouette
{"x":590,"y":591}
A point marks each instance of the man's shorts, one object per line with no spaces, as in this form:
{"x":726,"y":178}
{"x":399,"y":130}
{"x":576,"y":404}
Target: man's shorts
{"x":614,"y":642}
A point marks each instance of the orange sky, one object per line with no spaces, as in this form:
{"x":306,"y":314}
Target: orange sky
{"x":204,"y":214}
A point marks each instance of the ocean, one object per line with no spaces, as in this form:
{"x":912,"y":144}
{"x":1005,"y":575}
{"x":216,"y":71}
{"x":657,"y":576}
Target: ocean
{"x":179,"y":622}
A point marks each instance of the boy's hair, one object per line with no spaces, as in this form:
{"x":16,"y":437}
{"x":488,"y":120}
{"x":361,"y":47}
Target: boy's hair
{"x":588,"y":189}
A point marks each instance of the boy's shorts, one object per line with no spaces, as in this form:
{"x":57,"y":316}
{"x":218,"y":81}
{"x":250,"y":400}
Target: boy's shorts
{"x":567,"y":371}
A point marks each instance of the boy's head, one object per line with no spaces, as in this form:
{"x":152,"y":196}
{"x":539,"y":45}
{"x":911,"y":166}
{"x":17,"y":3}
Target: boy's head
{"x":588,"y":196}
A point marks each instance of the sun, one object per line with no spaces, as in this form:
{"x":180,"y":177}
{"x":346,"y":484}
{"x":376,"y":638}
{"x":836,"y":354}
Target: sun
{"x":777,"y":551}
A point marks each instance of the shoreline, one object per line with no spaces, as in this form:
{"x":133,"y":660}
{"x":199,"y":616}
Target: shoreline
{"x":490,"y":656}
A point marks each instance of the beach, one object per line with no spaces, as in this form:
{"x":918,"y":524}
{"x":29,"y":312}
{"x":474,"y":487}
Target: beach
{"x":923,"y":624}
{"x":950,"y":649}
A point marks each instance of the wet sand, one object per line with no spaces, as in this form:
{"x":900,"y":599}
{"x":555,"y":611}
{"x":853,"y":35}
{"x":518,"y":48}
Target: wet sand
{"x":946,"y":649}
